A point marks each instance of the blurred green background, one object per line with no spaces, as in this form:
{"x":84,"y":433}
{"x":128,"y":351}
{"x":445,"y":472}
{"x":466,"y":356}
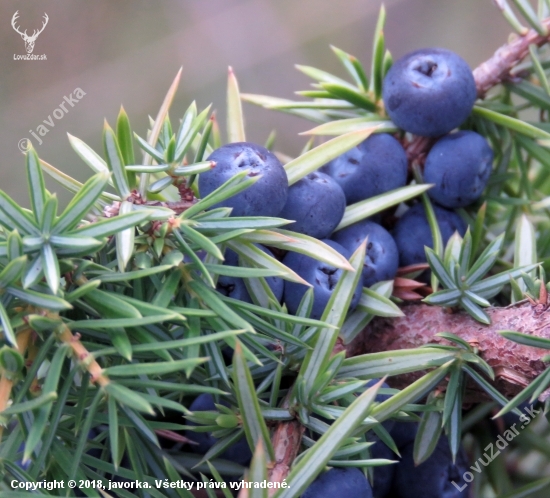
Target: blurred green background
{"x":128,"y":52}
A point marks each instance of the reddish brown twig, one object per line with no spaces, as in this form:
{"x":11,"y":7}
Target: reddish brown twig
{"x":82,"y":356}
{"x":497,"y":69}
{"x":286,"y":443}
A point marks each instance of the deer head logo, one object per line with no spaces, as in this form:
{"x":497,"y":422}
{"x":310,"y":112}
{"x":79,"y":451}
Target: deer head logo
{"x":29,"y":40}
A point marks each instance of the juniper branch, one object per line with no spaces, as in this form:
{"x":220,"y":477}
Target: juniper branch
{"x":515,"y":365}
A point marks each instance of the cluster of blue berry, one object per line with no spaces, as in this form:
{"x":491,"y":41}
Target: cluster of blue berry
{"x":429,"y":92}
{"x":316,"y":203}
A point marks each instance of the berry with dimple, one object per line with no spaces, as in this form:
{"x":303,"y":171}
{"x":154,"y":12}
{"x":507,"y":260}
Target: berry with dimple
{"x":266,"y":197}
{"x":412,"y":232}
{"x":459,"y":166}
{"x":429,"y":92}
{"x":376,"y":165}
{"x":235,"y":287}
{"x":345,"y":481}
{"x":316,"y":203}
{"x":434,"y":477}
{"x":238,"y":452}
{"x":321,"y":276}
{"x":381,"y":258}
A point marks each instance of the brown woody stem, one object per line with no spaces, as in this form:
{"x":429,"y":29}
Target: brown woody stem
{"x":286,"y":442}
{"x":497,"y":69}
{"x":515,"y":365}
{"x":84,"y":358}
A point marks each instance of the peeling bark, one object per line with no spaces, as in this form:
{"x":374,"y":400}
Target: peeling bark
{"x":286,"y":443}
{"x":515,"y":365}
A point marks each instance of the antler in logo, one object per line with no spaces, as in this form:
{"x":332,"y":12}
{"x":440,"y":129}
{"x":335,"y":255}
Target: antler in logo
{"x":29,"y":40}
